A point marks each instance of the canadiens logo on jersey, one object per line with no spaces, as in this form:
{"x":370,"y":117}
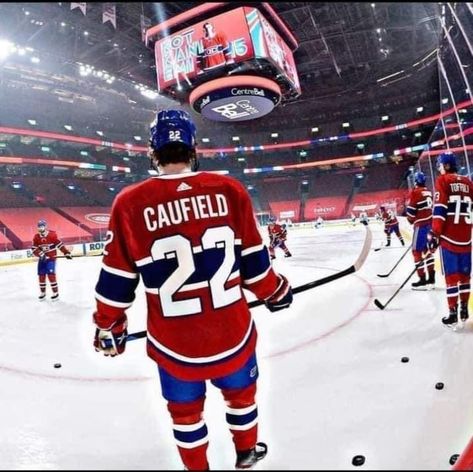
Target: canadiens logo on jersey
{"x":213,"y":55}
{"x":47,"y":245}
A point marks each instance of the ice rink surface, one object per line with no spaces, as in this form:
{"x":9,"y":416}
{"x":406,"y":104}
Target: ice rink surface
{"x":331,"y":385}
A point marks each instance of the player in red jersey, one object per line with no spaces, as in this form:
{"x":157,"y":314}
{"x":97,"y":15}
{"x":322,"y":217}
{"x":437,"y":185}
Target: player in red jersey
{"x":391,"y":225}
{"x":419,"y":214}
{"x":451,"y":229}
{"x":277,"y":238}
{"x":193,"y":239}
{"x":45,"y":245}
{"x":215,"y":49}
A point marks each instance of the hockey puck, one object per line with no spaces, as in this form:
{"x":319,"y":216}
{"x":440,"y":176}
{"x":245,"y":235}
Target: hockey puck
{"x":358,"y":460}
{"x":439,"y":385}
{"x":454,"y":458}
{"x":56,"y":366}
{"x":405,"y":359}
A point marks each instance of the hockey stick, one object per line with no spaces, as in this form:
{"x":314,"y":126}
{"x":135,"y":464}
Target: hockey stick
{"x":397,"y":263}
{"x":387,"y":247}
{"x":380,"y":305}
{"x":79,"y":255}
{"x":302,"y":288}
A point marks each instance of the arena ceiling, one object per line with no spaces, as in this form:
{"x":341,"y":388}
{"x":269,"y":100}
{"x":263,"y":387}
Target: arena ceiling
{"x":346,"y":55}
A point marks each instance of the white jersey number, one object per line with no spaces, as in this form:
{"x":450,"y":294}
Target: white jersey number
{"x":179,"y":247}
{"x":108,"y":240}
{"x":174,"y":135}
{"x":458,"y":200}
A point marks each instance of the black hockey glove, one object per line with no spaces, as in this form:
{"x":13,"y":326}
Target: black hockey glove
{"x":281,"y":298}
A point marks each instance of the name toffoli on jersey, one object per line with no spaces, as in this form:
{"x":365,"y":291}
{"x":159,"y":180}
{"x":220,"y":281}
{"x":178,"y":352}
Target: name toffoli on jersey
{"x":184,"y":209}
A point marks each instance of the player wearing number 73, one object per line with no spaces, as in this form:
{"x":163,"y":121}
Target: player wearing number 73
{"x":451,"y":229}
{"x":193,"y":239}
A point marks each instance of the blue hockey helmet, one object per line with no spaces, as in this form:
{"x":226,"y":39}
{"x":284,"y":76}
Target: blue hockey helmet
{"x":419,"y":178}
{"x":172,"y":126}
{"x":447,"y":158}
{"x":42,"y":226}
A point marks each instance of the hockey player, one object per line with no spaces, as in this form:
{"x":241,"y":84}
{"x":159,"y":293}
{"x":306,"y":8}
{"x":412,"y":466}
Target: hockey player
{"x":391,"y":225}
{"x":451,"y":229}
{"x":419,"y":214}
{"x":364,"y":218}
{"x":45,"y":245}
{"x":277,"y":238}
{"x":194,"y":241}
{"x":319,"y":222}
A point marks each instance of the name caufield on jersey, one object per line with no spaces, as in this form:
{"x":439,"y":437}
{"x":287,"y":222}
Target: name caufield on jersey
{"x":178,"y":211}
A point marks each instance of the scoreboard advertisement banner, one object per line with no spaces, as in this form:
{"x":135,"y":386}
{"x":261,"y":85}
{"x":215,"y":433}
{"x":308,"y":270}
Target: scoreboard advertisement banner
{"x":208,"y":45}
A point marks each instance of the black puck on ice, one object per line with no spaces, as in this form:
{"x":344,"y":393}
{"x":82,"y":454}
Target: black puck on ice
{"x":439,"y":385}
{"x":454,"y":458}
{"x":405,"y":359}
{"x":56,"y":366}
{"x":358,"y":460}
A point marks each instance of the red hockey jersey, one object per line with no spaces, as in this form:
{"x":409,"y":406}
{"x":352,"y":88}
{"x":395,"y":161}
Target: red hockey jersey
{"x":214,"y":50}
{"x":419,"y":206}
{"x":452,"y":212}
{"x":194,"y":241}
{"x":276,"y":231}
{"x":48,"y":245}
{"x":389,"y":218}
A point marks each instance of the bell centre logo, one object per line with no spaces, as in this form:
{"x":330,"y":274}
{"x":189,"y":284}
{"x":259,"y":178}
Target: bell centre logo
{"x":98,"y":218}
{"x":235,"y":102}
{"x":254,"y":91}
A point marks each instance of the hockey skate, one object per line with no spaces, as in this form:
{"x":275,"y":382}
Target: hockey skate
{"x":55,"y":297}
{"x":451,"y":321}
{"x":247,"y":459}
{"x":421,"y":284}
{"x":463,"y":314}
{"x":431,"y":281}
{"x":288,"y":254}
{"x":42,"y":297}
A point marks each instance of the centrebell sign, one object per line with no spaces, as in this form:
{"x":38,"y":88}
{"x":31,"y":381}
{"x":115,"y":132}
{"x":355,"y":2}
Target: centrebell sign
{"x":237,"y":103}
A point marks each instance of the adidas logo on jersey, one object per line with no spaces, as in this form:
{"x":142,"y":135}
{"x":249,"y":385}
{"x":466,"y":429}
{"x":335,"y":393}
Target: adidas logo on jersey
{"x":183,"y":186}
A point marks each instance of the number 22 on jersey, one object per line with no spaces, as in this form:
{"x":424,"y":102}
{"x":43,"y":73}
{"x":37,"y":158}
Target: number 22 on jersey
{"x":180,"y":247}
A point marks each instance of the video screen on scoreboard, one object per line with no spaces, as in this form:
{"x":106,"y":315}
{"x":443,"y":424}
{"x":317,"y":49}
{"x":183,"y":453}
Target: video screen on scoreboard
{"x":267,"y":43}
{"x":232,"y":37}
{"x":205,"y":46}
